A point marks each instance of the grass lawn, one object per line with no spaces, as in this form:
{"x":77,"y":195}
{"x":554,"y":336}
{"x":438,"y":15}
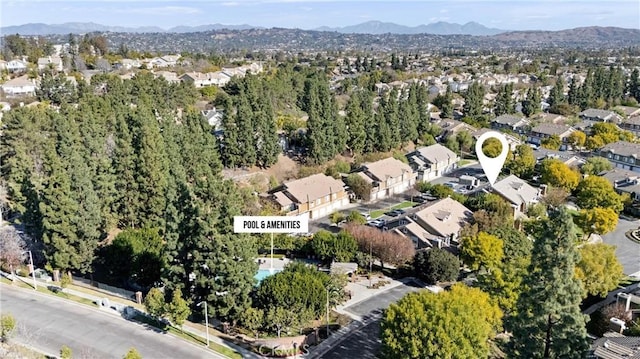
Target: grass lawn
{"x":405,"y":204}
{"x":464,"y":162}
{"x":377,"y":213}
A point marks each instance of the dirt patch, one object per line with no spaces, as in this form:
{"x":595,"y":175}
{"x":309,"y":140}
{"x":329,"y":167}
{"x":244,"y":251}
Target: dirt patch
{"x":284,"y":169}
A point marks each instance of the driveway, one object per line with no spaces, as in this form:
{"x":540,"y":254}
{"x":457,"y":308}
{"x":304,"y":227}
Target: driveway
{"x":47,"y":323}
{"x":364,"y":343}
{"x":627,"y":251}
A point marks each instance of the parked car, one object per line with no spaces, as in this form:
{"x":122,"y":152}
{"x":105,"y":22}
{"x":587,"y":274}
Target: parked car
{"x":396,"y":212}
{"x":366,"y":215}
{"x":377,"y":223}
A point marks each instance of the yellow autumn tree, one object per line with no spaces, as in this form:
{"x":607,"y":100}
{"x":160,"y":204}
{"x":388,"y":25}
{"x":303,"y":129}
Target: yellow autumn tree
{"x":557,"y":174}
{"x":598,"y":269}
{"x":482,"y":250}
{"x":455,"y":324}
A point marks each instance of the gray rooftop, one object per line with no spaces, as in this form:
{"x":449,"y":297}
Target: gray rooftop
{"x":622,"y":148}
{"x":598,"y":113}
{"x":434,"y":154}
{"x":552,"y":129}
{"x":510,"y":120}
{"x":516,"y":190}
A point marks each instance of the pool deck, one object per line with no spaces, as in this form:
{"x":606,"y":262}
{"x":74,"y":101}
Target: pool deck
{"x":278,"y":263}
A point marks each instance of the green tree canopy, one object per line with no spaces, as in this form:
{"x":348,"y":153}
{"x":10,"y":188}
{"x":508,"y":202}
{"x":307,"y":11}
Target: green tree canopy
{"x":452,"y":324}
{"x":596,"y":165}
{"x":359,"y":186}
{"x":154,"y":303}
{"x":548,"y":321}
{"x":178,"y":309}
{"x":436,"y":265}
{"x":523,"y":161}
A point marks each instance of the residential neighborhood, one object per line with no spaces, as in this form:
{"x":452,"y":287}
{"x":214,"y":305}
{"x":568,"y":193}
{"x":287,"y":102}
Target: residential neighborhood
{"x":129,"y":157}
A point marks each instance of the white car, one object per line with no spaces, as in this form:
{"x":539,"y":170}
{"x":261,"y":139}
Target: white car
{"x":377,"y":223}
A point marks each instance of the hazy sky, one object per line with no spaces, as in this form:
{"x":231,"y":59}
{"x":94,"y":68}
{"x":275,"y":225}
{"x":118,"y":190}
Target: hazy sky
{"x":505,"y":14}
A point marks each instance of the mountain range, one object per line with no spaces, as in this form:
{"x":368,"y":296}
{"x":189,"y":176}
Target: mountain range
{"x":436,"y":28}
{"x":370,"y":27}
{"x":85,"y":27}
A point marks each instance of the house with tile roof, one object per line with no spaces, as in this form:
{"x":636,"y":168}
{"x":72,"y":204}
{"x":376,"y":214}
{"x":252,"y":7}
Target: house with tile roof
{"x":616,"y":346}
{"x":546,"y":130}
{"x":432,"y":161}
{"x":387,"y":177}
{"x":53,"y":62}
{"x":598,"y":115}
{"x":20,"y":86}
{"x":517,"y":124}
{"x":439,"y":223}
{"x":518,"y":193}
{"x":318,"y":195}
{"x":622,"y":154}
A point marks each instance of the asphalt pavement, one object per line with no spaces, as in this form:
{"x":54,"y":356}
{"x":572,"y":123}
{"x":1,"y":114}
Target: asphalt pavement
{"x":364,"y":342}
{"x":627,"y":251}
{"x":46,"y":323}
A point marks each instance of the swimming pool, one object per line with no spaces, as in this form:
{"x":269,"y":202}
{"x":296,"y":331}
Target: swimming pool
{"x":264,"y":273}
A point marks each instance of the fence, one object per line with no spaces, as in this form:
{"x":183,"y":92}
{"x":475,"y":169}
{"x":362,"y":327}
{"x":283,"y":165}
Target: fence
{"x":119,"y":292}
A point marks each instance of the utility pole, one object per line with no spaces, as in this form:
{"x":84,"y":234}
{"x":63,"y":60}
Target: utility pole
{"x":370,"y":262}
{"x":327,"y":313}
{"x":33,"y":270}
{"x":206,"y":319}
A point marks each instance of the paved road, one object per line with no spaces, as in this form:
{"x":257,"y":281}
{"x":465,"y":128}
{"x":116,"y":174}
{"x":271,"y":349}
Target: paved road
{"x":364,"y":343}
{"x":627,"y":251}
{"x":47,"y":323}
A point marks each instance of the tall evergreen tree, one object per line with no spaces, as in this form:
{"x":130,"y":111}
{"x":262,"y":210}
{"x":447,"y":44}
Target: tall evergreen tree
{"x":126,"y":203}
{"x":409,"y":118}
{"x":633,"y":88}
{"x":556,"y":96}
{"x":504,"y":103}
{"x":246,"y":146}
{"x":391,"y":116}
{"x":473,"y":100}
{"x":355,"y":122}
{"x":549,"y":323}
{"x":574,"y":95}
{"x":321,"y":136}
{"x":230,"y":149}
{"x":151,"y":168}
{"x":384,"y":137}
{"x":208,"y":260}
{"x":531,"y":104}
{"x":58,"y":210}
{"x":446,"y":107}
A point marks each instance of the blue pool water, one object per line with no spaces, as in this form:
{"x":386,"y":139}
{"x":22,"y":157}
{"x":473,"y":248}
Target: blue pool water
{"x":264,"y":273}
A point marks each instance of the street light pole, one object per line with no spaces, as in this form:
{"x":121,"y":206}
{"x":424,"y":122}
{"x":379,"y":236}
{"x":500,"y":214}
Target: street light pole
{"x":206,"y":319}
{"x":327,"y":312}
{"x":370,"y":262}
{"x":33,"y":270}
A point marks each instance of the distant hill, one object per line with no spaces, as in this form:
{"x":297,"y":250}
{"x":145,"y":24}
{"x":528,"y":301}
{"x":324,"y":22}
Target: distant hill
{"x":184,"y":29}
{"x":437,"y":28}
{"x":586,"y":35}
{"x":85,"y":27}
